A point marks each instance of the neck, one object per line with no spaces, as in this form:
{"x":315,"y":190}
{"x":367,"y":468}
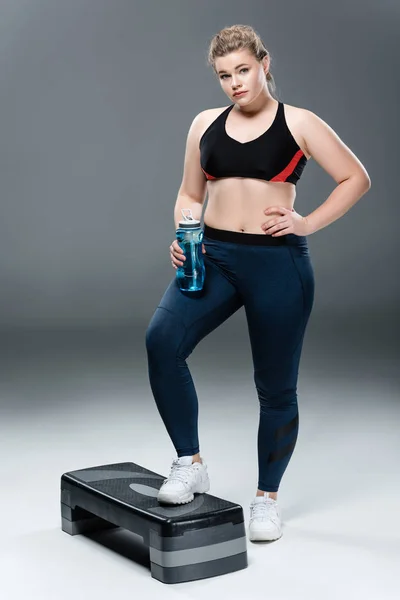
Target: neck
{"x":263,"y":102}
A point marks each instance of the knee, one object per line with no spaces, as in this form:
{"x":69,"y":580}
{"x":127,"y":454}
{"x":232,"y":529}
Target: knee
{"x":275,"y":392}
{"x":277,"y":400}
{"x":277,"y":396}
{"x":163,"y":334}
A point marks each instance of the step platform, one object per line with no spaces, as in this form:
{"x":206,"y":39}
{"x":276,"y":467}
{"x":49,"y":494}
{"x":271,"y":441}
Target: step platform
{"x":186,"y":542}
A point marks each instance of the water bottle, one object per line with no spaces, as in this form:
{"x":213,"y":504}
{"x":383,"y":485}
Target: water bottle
{"x":190,"y":275}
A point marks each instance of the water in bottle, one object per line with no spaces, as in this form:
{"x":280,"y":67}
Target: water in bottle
{"x":190,"y":275}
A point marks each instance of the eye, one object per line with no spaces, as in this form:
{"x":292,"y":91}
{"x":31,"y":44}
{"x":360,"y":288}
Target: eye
{"x":245,"y":69}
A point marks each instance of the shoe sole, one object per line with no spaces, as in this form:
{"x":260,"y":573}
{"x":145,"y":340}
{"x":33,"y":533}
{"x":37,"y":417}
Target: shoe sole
{"x":262,"y":536}
{"x":170,"y":499}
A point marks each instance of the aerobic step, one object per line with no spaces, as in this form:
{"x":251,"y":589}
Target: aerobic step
{"x":186,"y":542}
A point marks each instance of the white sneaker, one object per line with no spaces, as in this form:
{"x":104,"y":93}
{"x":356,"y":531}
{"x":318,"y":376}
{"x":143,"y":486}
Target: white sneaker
{"x":185,"y":480}
{"x":265,"y":521}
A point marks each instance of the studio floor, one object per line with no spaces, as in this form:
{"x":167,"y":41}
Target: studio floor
{"x":73,"y":402}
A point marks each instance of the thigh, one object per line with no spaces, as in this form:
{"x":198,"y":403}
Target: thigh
{"x":279,"y":292}
{"x":196,"y":314}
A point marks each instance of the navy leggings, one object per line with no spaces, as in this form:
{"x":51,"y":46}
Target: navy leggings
{"x":273,"y":278}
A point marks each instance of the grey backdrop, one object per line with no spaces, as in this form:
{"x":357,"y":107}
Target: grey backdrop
{"x":96,"y":100}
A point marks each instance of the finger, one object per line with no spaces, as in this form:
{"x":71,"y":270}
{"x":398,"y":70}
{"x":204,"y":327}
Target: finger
{"x":177,"y":263}
{"x":178,"y":250}
{"x":282,"y":232}
{"x":275,"y":223}
{"x":280,"y":209}
{"x":278,"y":227}
{"x":177,"y":256}
{"x":177,"y":247}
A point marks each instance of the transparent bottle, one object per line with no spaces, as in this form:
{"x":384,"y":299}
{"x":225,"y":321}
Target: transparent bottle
{"x":189,"y":234}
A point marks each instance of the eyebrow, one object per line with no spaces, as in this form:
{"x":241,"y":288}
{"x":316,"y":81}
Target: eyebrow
{"x":241,"y":65}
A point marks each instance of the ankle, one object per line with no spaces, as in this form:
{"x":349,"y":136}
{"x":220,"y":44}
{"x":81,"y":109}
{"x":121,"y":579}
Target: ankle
{"x":196,"y":458}
{"x":273,"y":495}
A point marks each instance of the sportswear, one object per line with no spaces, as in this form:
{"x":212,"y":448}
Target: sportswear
{"x":265,"y":522}
{"x":272,"y":156}
{"x":185,"y":480}
{"x":274,"y":285}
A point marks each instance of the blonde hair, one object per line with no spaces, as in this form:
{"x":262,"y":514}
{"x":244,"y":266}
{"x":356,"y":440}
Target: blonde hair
{"x":238,"y":37}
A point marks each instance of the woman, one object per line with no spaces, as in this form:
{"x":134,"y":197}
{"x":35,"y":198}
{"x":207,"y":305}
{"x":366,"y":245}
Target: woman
{"x":248,"y":157}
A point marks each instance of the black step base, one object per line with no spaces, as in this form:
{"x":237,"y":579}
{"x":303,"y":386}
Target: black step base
{"x":203,"y":538}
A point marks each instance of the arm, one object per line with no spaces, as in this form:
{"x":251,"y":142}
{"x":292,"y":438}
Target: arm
{"x":338,"y":160}
{"x":192,"y":191}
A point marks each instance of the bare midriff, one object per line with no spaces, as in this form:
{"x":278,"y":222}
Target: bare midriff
{"x":238,"y":204}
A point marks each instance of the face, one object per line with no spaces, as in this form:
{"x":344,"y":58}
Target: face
{"x":240,"y":71}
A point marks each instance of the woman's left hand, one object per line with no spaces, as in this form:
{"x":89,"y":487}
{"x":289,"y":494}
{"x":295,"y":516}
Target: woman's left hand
{"x":288,"y":221}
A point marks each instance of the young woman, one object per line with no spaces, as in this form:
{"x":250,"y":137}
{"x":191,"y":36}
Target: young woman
{"x":248,"y":157}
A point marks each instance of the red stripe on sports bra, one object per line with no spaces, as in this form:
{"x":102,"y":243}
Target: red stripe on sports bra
{"x":207,"y":175}
{"x":290,"y":168}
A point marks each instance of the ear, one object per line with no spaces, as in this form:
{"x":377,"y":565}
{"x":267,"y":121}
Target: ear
{"x":265,"y":62}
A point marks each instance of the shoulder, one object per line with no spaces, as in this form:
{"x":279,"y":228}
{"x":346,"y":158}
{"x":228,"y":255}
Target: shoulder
{"x":294,"y":112}
{"x":296,"y":120}
{"x":203,"y":120}
{"x":308,"y":125}
{"x":326,"y":147}
{"x":209,"y":114}
{"x":303,"y":116}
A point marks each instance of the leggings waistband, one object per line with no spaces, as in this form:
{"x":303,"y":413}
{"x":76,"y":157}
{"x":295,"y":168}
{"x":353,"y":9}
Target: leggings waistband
{"x":254,"y":239}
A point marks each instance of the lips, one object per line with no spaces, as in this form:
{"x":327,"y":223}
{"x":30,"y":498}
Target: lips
{"x":240,"y":94}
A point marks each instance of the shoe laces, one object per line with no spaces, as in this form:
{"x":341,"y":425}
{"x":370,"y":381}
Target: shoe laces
{"x":180,"y":472}
{"x":265,"y":511}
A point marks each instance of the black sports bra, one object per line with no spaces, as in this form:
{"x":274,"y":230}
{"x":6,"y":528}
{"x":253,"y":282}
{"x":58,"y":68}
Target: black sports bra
{"x":273,"y":156}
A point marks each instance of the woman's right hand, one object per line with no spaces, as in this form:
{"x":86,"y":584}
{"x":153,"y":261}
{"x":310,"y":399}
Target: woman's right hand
{"x":177,"y":254}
